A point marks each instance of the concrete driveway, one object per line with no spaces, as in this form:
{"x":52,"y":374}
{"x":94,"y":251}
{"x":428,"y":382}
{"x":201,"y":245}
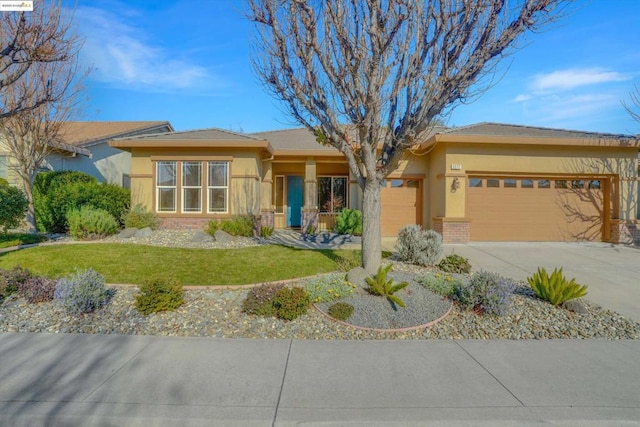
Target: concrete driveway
{"x":612,"y":272}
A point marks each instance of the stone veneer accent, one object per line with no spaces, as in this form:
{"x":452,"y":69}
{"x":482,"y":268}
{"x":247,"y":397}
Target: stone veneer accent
{"x":267,"y":218}
{"x":453,"y":230}
{"x":184,"y":223}
{"x":309,"y":219}
{"x":625,"y":231}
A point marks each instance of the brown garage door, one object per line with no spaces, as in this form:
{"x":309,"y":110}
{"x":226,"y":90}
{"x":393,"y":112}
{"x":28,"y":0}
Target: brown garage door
{"x":535,"y":209}
{"x":401,"y":203}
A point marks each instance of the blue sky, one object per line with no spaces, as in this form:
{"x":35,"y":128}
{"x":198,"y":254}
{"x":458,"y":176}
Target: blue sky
{"x":188,"y":62}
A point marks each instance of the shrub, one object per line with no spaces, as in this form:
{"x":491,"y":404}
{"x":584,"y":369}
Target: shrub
{"x":159,"y":295}
{"x":90,"y":223}
{"x":55,"y":196}
{"x":455,"y":264}
{"x":417,"y":246}
{"x":349,"y":221}
{"x":380,"y":285}
{"x":37,"y":289}
{"x":266,"y":231}
{"x":341,"y":311}
{"x":13,"y":205}
{"x":259,"y":300}
{"x":290,"y":303}
{"x":82,"y":292}
{"x":328,"y":287}
{"x":440,"y":284}
{"x":487,"y":292}
{"x":10,"y":280}
{"x":555,"y":288}
{"x":4,"y":182}
{"x":240,"y":225}
{"x":139,"y":217}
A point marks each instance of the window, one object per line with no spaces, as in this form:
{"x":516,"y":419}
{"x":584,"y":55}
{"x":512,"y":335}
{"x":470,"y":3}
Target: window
{"x":526,"y":183}
{"x":192,"y":187}
{"x":544,"y":183}
{"x":493,"y":183}
{"x":278,"y":196}
{"x":577,"y":183}
{"x":126,"y":181}
{"x":332,"y":193}
{"x":396,"y":183}
{"x":166,"y":187}
{"x":3,"y":167}
{"x":594,"y":184}
{"x":475,"y":182}
{"x":218,"y":186}
{"x":562,"y":184}
{"x":510,"y":183}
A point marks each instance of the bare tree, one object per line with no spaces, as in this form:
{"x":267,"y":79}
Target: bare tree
{"x":389,"y":68}
{"x":634,"y":108}
{"x":26,"y":38}
{"x":36,"y":105}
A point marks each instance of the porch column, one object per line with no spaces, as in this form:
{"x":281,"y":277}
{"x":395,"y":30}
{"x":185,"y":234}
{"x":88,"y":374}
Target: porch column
{"x":310,"y":209}
{"x":267,"y":209}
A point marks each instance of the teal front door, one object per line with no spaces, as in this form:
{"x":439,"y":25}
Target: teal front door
{"x":294,"y":201}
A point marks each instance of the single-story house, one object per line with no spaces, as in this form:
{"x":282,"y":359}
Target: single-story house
{"x":483,"y":182}
{"x":83,"y":147}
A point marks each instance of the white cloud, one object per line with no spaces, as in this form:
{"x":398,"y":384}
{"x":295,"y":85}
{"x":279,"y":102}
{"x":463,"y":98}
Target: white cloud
{"x":573,"y":78}
{"x":124,"y":55}
{"x":522,"y":98}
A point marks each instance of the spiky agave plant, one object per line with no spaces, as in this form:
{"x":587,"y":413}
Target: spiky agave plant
{"x":555,"y":288}
{"x":380,"y":285}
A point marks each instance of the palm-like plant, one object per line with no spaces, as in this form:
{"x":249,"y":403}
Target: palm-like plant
{"x":380,"y":285}
{"x":555,"y":288}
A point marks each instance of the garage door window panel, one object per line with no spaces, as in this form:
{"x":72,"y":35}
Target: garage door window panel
{"x":493,"y":183}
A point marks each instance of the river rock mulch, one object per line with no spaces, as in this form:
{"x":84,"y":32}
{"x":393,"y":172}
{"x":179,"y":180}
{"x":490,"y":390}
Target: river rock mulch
{"x":217,"y":312}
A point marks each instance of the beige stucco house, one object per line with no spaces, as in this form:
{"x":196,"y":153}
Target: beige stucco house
{"x":484,"y":182}
{"x":83,"y":147}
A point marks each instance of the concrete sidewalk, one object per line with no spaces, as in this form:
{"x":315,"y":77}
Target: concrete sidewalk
{"x":98,"y":380}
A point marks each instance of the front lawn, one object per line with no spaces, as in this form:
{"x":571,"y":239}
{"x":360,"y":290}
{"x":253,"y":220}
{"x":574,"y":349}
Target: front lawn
{"x":16,"y":239}
{"x":132,"y":264}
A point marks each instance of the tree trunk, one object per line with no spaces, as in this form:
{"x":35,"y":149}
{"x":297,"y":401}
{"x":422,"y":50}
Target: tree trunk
{"x":371,"y":233}
{"x":27,"y":185}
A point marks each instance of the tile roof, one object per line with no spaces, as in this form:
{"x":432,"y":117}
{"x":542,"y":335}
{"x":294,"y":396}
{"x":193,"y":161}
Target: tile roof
{"x":198,"y":134}
{"x":502,"y":129}
{"x":84,"y":134}
{"x":293,"y":139}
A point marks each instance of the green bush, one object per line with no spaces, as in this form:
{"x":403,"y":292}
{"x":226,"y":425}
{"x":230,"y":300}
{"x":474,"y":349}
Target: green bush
{"x":240,"y":225}
{"x":380,"y":285}
{"x":290,"y":303}
{"x":4,"y":182}
{"x":349,"y":221}
{"x":37,"y":289}
{"x":259,"y":300}
{"x":440,"y":284}
{"x":13,"y":205}
{"x":418,"y":246}
{"x":82,"y":292}
{"x":486,"y":292}
{"x":455,"y":264}
{"x":10,"y":280}
{"x":266,"y":231}
{"x":341,"y":311}
{"x":159,"y":295}
{"x":55,"y":196}
{"x":328,"y":287}
{"x":139,"y":217}
{"x":90,"y":223}
{"x":555,"y":288}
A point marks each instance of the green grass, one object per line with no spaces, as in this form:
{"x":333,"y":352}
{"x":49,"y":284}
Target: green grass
{"x":16,"y":239}
{"x":133,"y":264}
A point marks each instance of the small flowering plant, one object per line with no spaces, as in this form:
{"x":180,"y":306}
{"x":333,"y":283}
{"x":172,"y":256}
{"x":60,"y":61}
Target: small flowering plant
{"x":329,"y":287}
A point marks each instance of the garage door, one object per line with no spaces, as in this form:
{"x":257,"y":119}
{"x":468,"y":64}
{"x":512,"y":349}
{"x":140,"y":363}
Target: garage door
{"x":535,"y":209}
{"x":401,"y":203}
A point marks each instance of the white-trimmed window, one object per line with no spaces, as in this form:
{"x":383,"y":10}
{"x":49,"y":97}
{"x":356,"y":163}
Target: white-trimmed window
{"x":166,"y":186}
{"x":218,"y":187}
{"x":192,"y":187}
{"x":332,"y":193}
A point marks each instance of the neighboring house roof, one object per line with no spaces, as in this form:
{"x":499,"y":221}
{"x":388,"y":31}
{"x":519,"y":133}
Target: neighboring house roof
{"x":213,"y":137}
{"x":86,"y":134}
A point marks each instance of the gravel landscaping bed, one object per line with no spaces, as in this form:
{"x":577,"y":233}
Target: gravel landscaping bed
{"x":216,"y":312}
